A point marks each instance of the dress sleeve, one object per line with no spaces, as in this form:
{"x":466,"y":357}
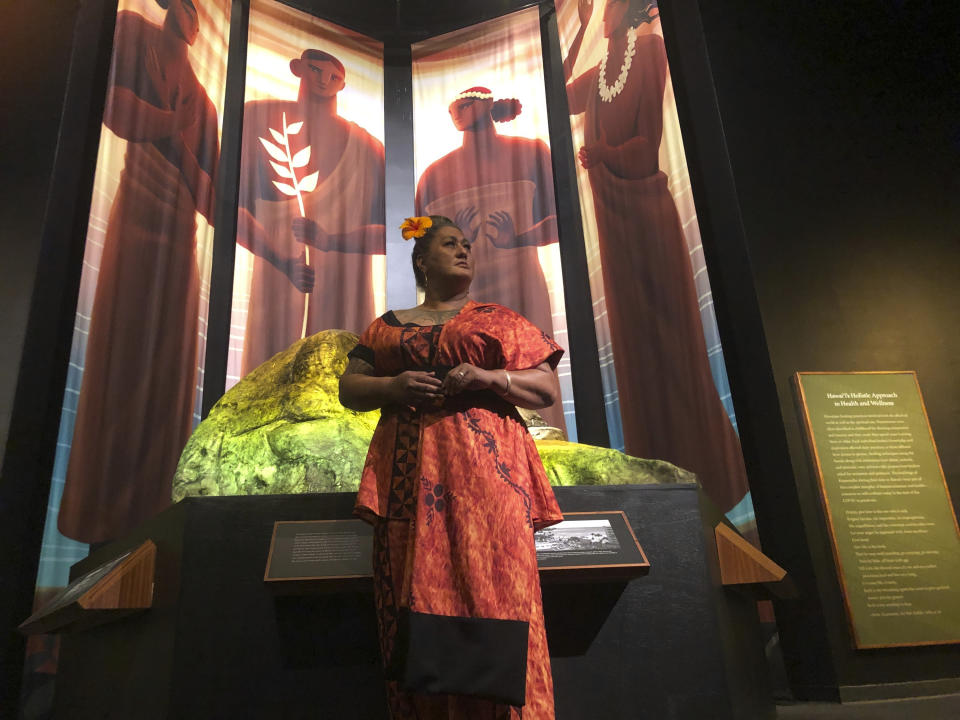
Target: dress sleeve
{"x":524,"y":345}
{"x":363,"y":350}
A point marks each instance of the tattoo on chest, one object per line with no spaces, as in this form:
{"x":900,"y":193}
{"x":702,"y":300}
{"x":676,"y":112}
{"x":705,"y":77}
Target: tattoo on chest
{"x":426,"y":317}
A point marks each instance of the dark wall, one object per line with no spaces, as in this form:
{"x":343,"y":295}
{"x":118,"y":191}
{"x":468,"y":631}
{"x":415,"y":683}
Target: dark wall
{"x":34,"y":56}
{"x":398,"y":21}
{"x":843,"y":127}
{"x":46,"y":183}
{"x":34,"y":61}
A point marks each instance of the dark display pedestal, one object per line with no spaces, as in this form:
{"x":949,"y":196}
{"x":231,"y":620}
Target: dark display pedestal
{"x":219,"y":644}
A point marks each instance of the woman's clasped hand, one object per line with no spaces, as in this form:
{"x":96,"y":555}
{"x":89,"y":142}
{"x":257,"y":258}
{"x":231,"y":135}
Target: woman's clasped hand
{"x":412,"y":387}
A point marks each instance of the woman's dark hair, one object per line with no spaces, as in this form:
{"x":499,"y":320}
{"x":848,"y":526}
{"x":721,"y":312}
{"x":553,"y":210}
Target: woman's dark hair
{"x":422,"y":244}
{"x":642,"y":11}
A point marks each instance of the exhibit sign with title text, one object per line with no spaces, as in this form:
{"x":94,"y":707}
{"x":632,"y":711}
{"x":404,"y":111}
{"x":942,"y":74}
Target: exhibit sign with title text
{"x":892,"y":525}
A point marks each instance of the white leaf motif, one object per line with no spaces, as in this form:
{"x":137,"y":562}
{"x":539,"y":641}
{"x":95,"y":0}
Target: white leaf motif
{"x":294,"y":128}
{"x":301,"y":158}
{"x":278,"y":136}
{"x":309,"y":183}
{"x":282,"y":170}
{"x":285,"y":189}
{"x":273,"y":151}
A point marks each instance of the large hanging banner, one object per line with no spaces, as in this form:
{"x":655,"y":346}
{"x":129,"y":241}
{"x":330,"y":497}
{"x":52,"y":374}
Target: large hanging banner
{"x":136,"y":369}
{"x":482,"y":158}
{"x":662,"y":363}
{"x":311,"y":217}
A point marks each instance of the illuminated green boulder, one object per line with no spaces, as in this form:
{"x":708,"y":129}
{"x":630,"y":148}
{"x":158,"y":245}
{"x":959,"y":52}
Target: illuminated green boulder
{"x":570,"y":463}
{"x":281,"y":429}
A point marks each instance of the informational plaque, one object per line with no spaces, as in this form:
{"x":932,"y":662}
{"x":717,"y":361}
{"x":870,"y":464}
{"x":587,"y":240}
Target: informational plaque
{"x":894,"y":532}
{"x":336,"y":553}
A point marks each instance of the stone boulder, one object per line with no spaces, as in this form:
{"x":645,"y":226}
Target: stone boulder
{"x":282,"y":430}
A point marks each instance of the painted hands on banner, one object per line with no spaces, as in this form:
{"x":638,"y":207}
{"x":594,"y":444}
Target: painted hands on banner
{"x":595,"y":154}
{"x":585,"y":11}
{"x":500,"y":221}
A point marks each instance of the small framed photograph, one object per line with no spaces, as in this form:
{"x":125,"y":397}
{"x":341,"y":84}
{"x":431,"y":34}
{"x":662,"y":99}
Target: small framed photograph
{"x":600,"y":544}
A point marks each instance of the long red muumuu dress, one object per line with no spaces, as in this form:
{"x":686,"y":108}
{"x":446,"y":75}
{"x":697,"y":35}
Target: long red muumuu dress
{"x":455,"y":490}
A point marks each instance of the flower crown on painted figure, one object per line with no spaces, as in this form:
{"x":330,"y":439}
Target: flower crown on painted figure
{"x":502,"y":110}
{"x":415,"y":227}
{"x":475,"y":93}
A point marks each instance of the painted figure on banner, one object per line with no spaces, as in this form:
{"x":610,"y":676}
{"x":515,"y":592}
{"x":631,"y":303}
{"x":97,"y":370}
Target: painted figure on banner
{"x":669,"y":404}
{"x":136,"y":401}
{"x":310,"y":182}
{"x":500,"y":190}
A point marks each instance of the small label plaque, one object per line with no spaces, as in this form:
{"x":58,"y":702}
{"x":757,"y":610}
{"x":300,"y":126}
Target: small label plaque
{"x":323,"y":550}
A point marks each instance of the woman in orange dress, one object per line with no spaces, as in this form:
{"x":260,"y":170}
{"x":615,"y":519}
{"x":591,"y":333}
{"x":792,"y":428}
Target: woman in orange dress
{"x":455,"y":489}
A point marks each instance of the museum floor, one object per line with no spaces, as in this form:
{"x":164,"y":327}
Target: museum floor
{"x":941,"y":707}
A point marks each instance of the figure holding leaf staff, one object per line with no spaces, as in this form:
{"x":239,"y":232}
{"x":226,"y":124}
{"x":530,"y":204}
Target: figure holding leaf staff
{"x":311,"y":211}
{"x":291,"y":185}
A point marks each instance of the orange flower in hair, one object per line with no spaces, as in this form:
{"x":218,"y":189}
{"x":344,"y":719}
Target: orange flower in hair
{"x":415,"y":227}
